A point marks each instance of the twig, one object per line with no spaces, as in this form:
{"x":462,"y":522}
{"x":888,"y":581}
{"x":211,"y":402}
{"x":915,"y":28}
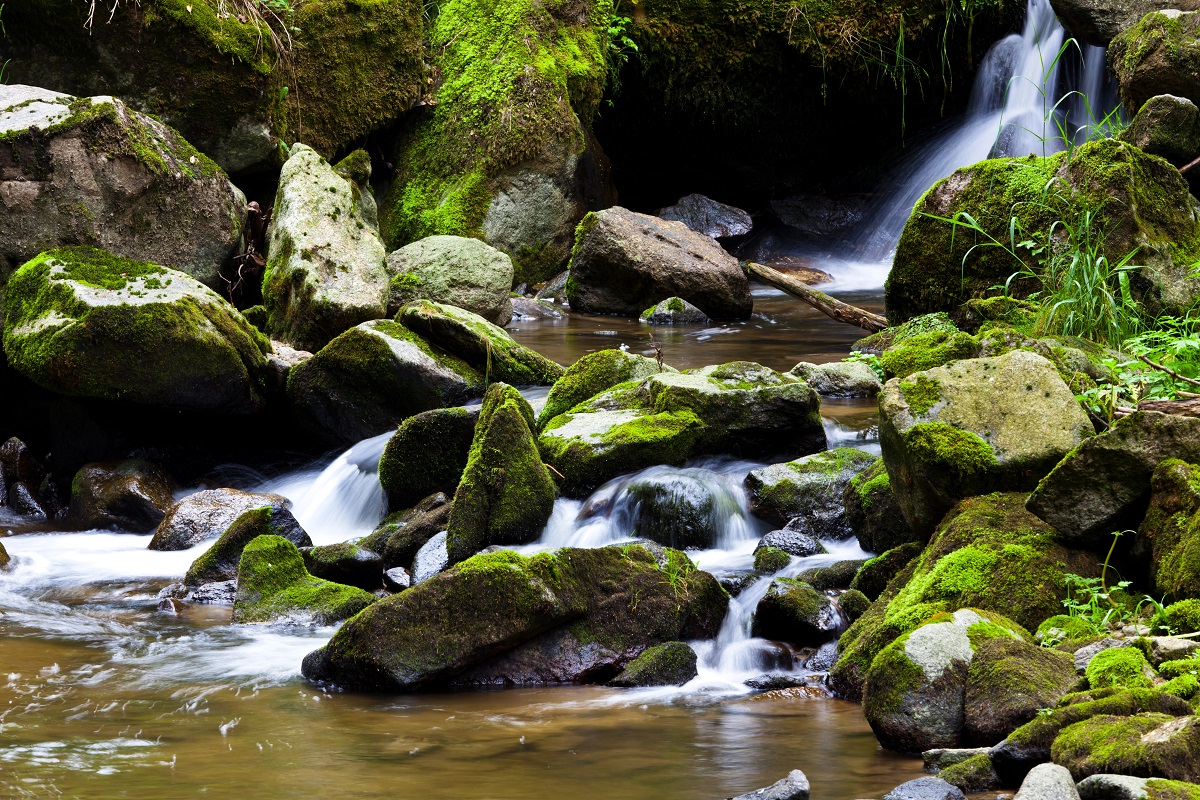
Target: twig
{"x":1170,"y":372}
{"x":1189,"y":165}
{"x":556,"y":472}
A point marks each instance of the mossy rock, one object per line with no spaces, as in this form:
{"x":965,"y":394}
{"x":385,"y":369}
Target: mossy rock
{"x":427,"y":454}
{"x":872,"y":512}
{"x":793,"y":611}
{"x":873,"y":577}
{"x":1119,"y":667}
{"x":401,"y":534}
{"x":810,"y":488}
{"x":1008,"y":683}
{"x":1146,"y":745}
{"x":131,"y":495}
{"x":853,"y":604}
{"x":674,"y":311}
{"x":1063,"y":628}
{"x":506,"y":493}
{"x":1183,"y":616}
{"x":683,"y":509}
{"x":273,"y":585}
{"x":1157,"y":55}
{"x":989,"y":553}
{"x":975,"y":426}
{"x":220,"y":562}
{"x":1166,"y":125}
{"x":892,"y":336}
{"x":83,"y":322}
{"x":834,"y":576}
{"x":1140,"y":201}
{"x":594,"y":373}
{"x":345,"y":563}
{"x":455,"y":270}
{"x":770,"y":559}
{"x":926,"y":351}
{"x":670,"y":664}
{"x":218,"y":80}
{"x":5,"y":558}
{"x":1171,"y":530}
{"x":975,"y":774}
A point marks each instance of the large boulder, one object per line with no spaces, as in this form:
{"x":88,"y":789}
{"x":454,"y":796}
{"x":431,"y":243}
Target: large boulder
{"x":975,"y":426}
{"x":80,"y":321}
{"x":793,"y":611}
{"x":1104,"y":485}
{"x":1140,"y":202}
{"x":274,"y":586}
{"x":708,"y":217}
{"x":1171,"y":530}
{"x":1158,"y":55}
{"x":346,"y":563}
{"x":220,"y":562}
{"x":872,"y":512}
{"x":93,"y":171}
{"x":206,"y":515}
{"x":427,"y":454}
{"x":131,"y":495}
{"x":455,"y":270}
{"x":741,"y":408}
{"x":565,"y":616}
{"x":501,"y":148}
{"x":810,"y":488}
{"x":1145,"y":745}
{"x":594,"y":373}
{"x":217,"y":76}
{"x":1098,"y":22}
{"x":325,"y":266}
{"x":1008,"y":682}
{"x":624,"y":262}
{"x":506,"y":493}
{"x":1166,"y":126}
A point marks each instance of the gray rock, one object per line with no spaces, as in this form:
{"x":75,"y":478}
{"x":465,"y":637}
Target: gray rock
{"x":674,"y":311}
{"x":112,"y":178}
{"x":816,"y":215}
{"x":1048,"y":782}
{"x":1104,"y":485}
{"x":432,"y":558}
{"x":793,"y":787}
{"x":839,"y":378}
{"x":939,"y":758}
{"x":325,"y":264}
{"x":707,"y":216}
{"x":132,"y":495}
{"x":397,"y":579}
{"x":1171,"y":648}
{"x":972,"y":427}
{"x":824,"y":658}
{"x":1098,"y":22}
{"x":526,"y":309}
{"x":206,"y":514}
{"x":792,"y":542}
{"x":683,"y":509}
{"x":625,"y":262}
{"x":1112,"y":787}
{"x":795,"y":612}
{"x":1166,"y":126}
{"x":810,"y":488}
{"x":23,"y":499}
{"x":1085,"y":654}
{"x":455,"y":270}
{"x":927,"y":788}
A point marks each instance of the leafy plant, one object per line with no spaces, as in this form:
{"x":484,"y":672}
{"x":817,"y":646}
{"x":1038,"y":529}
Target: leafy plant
{"x":871,"y":360}
{"x":620,"y":44}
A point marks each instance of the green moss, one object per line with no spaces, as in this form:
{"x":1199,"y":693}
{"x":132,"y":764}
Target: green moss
{"x":962,"y":453}
{"x":1123,"y":667}
{"x":1062,"y":628}
{"x":873,"y":577}
{"x":926,"y":351}
{"x":853,"y":604}
{"x":273,"y":584}
{"x":770,"y":559}
{"x":921,"y":394}
{"x":903,"y":676}
{"x":669,"y":664}
{"x":589,"y":376}
{"x":1179,"y":667}
{"x":974,"y":774}
{"x":927,"y":323}
{"x":427,"y":454}
{"x":1172,"y":528}
{"x":1158,"y":789}
{"x":1124,"y":745}
{"x":220,"y":561}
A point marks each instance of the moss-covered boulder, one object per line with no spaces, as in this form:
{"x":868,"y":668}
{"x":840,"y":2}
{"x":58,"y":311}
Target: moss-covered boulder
{"x":839,"y":378}
{"x":926,"y":351}
{"x":974,"y":774}
{"x":739,"y":408}
{"x":1183,"y":616}
{"x":132,"y":495}
{"x":1146,"y":745}
{"x":273,"y":586}
{"x":217,"y":77}
{"x":454,"y":270}
{"x":972,"y":427}
{"x":502,"y":618}
{"x":1008,"y":682}
{"x":1120,"y":667}
{"x":1104,"y":485}
{"x":674,"y":311}
{"x":501,"y":149}
{"x":872,"y":512}
{"x":1098,"y":22}
{"x":5,"y":558}
{"x":220,"y":562}
{"x":1127,"y":787}
{"x":1166,"y":126}
{"x":373,"y":377}
{"x":770,"y":559}
{"x":1171,"y":530}
{"x":402,"y":534}
{"x":1140,"y":203}
{"x":84,"y":322}
{"x":347,"y":563}
{"x":594,"y":373}
{"x":325,"y":266}
{"x":680,"y":508}
{"x":670,"y":664}
{"x":873,"y":577}
{"x":793,"y":611}
{"x":426,"y":455}
{"x":207,"y":514}
{"x":92,"y":171}
{"x":1157,"y":56}
{"x":810,"y":488}
{"x":914,"y":692}
{"x":506,"y":493}
{"x":989,"y":553}
{"x":624,"y":262}
{"x":877,"y":343}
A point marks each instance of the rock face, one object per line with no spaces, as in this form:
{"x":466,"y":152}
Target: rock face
{"x":220,"y":562}
{"x":1145,"y":206}
{"x":325,"y":265}
{"x":131,"y":495}
{"x":455,"y":270}
{"x":974,"y":426}
{"x":809,"y":488}
{"x":89,"y":171}
{"x":1146,"y":745}
{"x":272,"y":586}
{"x":1158,"y":55}
{"x":1098,"y":22}
{"x":84,"y":322}
{"x":670,"y":664}
{"x":793,"y":611}
{"x":708,"y":217}
{"x":594,"y":373}
{"x":872,"y":512}
{"x":206,"y":515}
{"x":506,"y":493}
{"x":1104,"y":485}
{"x":216,"y":78}
{"x":1171,"y":530}
{"x":740,"y":407}
{"x":624,"y":262}
{"x":839,"y":379}
{"x":1166,"y":126}
{"x":565,"y":616}
{"x":427,"y":454}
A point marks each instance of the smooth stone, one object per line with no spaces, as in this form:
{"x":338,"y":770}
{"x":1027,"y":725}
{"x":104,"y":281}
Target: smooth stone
{"x":928,"y":788}
{"x":1048,"y":782}
{"x":432,"y":558}
{"x":793,"y":787}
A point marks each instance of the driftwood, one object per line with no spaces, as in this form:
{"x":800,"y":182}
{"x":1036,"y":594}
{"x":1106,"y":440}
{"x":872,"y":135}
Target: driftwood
{"x":831,"y":307}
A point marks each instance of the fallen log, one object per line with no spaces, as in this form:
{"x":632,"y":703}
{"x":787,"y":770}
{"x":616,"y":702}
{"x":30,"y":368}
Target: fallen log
{"x":1182,"y":408}
{"x":831,"y":307}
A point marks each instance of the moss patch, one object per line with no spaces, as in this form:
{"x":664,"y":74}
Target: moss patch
{"x":273,"y":584}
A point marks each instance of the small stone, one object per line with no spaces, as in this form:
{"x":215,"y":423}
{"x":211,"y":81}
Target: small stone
{"x":397,"y":579}
{"x":941,"y":757}
{"x":1085,"y":654}
{"x":1048,"y":782}
{"x":1171,"y":648}
{"x":793,"y":787}
{"x":674,"y":311}
{"x":431,"y":559}
{"x":925,"y":789}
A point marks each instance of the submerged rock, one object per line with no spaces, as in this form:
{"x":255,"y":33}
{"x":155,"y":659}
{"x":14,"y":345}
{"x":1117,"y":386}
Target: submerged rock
{"x":707,"y":216}
{"x":220,"y":562}
{"x":427,"y":454}
{"x":273,"y":586}
{"x":670,"y":664}
{"x":794,"y":787}
{"x":454,"y":270}
{"x":928,"y":788}
{"x":131,"y":495}
{"x":809,"y":488}
{"x":624,"y":262}
{"x":83,"y":322}
{"x":206,"y":515}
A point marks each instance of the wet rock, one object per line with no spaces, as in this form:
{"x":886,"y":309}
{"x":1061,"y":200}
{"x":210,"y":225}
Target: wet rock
{"x":792,"y":611}
{"x":345,"y":563}
{"x":220,"y":593}
{"x":506,"y":493}
{"x":273,"y":586}
{"x":17,"y":463}
{"x":852,"y":602}
{"x":426,"y":455}
{"x":1104,"y":485}
{"x":206,"y":515}
{"x":816,"y":215}
{"x":928,"y":788}
{"x":1098,"y":22}
{"x":839,"y":378}
{"x":1048,"y":782}
{"x":595,"y":373}
{"x":1157,"y":55}
{"x":83,"y":322}
{"x":431,"y":559}
{"x":23,"y":499}
{"x":624,"y":262}
{"x":794,"y":787}
{"x":809,"y":488}
{"x":708,"y":217}
{"x":975,"y":426}
{"x":454,"y":270}
{"x":793,"y":542}
{"x":774,"y":681}
{"x":397,"y":579}
{"x":132,"y":495}
{"x":1147,"y":745}
{"x":527,"y":309}
{"x":834,"y":576}
{"x":220,"y":562}
{"x":678,"y":508}
{"x":670,"y":664}
{"x":1111,"y":787}
{"x":674,"y":311}
{"x":1166,"y":126}
{"x":1171,"y":530}
{"x":993,"y":706}
{"x":874,"y":576}
{"x":85,"y":170}
{"x":872,"y":511}
{"x":400,"y":535}
{"x":824,"y":658}
{"x":770,"y":559}
{"x":736,"y":583}
{"x":5,"y":558}
{"x":940,"y":758}
{"x":976,"y":774}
